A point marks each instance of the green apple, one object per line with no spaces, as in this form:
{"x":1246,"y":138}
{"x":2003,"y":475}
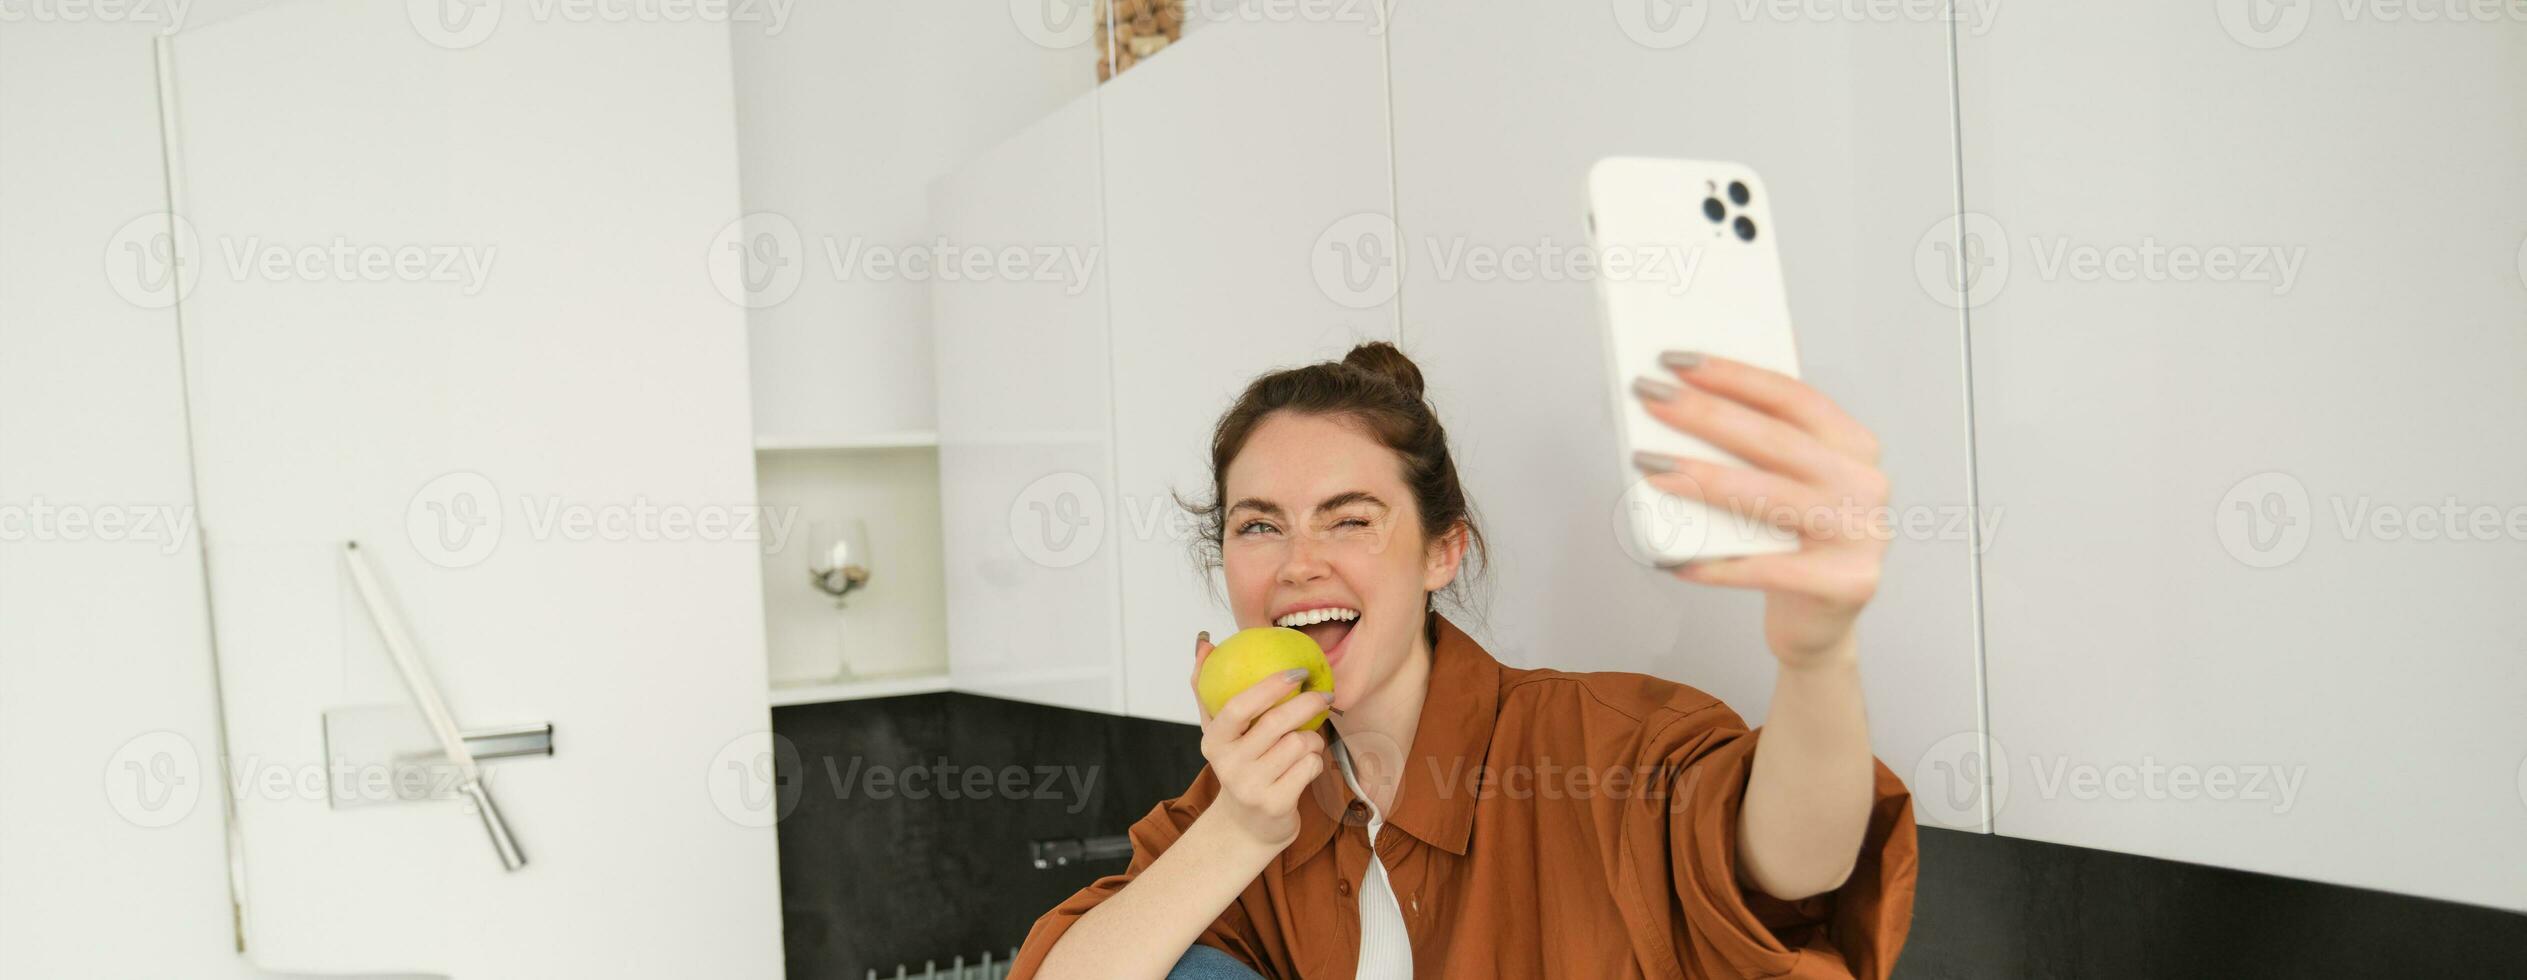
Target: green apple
{"x":1256,"y":654}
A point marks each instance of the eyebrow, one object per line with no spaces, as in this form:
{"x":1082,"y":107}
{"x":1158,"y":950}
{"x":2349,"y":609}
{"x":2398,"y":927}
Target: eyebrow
{"x":1343,"y":499}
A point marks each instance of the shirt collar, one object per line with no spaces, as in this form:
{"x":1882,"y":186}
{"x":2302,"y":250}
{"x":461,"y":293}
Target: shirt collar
{"x":1435,"y":799}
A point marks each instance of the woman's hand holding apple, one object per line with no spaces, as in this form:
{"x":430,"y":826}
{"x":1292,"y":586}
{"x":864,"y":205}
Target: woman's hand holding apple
{"x":1263,"y":758}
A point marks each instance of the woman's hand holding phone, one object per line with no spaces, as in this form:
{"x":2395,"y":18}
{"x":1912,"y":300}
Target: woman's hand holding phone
{"x":1263,"y":760}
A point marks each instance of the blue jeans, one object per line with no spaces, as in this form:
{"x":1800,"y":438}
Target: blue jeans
{"x":1211,"y":963}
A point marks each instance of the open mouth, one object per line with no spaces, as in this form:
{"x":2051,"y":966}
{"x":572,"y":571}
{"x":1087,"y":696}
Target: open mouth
{"x":1329,"y":626}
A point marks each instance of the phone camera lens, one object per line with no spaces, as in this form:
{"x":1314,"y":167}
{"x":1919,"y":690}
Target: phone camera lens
{"x":1745,"y":228}
{"x":1739,"y":193}
{"x":1713,"y":209}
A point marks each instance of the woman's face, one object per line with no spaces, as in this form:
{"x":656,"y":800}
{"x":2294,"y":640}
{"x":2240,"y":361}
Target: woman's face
{"x":1320,"y":526}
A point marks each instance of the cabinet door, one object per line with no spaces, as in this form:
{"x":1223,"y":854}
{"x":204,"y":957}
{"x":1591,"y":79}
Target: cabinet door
{"x":467,"y":320}
{"x":1498,"y":116}
{"x":1242,"y":169}
{"x":2250,"y":383}
{"x":1025,"y":458}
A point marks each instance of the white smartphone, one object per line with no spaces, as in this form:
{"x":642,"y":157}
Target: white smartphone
{"x":1686,"y":261}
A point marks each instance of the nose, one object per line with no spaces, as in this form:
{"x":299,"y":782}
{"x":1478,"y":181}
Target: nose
{"x":1301,"y":565}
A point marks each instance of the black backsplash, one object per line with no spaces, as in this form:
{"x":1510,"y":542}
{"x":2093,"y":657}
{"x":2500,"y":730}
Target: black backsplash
{"x":874,"y":875}
{"x":871,"y":883}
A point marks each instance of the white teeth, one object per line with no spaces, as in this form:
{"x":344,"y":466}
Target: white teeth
{"x":1314,"y":616}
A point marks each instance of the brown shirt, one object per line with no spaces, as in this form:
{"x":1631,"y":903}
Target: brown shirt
{"x":1553,"y":824}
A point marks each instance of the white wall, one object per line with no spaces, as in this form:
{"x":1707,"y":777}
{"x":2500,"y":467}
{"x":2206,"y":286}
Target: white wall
{"x":2358,"y":690}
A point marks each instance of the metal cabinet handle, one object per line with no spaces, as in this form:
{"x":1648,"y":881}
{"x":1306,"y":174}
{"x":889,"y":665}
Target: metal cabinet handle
{"x":425,"y":693}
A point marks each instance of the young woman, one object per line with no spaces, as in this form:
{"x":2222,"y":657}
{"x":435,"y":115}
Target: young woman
{"x":1474,"y":820}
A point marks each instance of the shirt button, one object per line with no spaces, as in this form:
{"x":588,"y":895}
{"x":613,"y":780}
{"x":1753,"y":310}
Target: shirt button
{"x":1359,"y":807}
{"x":1342,"y":886}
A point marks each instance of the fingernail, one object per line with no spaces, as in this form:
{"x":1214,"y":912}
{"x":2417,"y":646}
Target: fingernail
{"x":1202,"y":637}
{"x":1654,"y":462}
{"x":1294,"y":674}
{"x":1682,"y":360}
{"x":1654,"y":389}
{"x":1329,"y":698}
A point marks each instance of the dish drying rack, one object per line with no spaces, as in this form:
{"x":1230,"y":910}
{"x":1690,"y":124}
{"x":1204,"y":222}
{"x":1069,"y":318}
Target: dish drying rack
{"x":957,"y":969}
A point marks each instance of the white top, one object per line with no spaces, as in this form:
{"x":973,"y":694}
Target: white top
{"x":1386,"y":950}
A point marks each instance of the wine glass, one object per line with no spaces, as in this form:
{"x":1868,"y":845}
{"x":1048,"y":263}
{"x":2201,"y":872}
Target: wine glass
{"x":838,"y":565}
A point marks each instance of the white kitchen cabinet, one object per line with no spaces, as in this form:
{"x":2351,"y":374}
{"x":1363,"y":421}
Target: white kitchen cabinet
{"x":1025,"y":458}
{"x":473,"y":331}
{"x":1242,"y":167}
{"x":845,"y":114}
{"x":1498,"y":116}
{"x":2249,"y":289}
